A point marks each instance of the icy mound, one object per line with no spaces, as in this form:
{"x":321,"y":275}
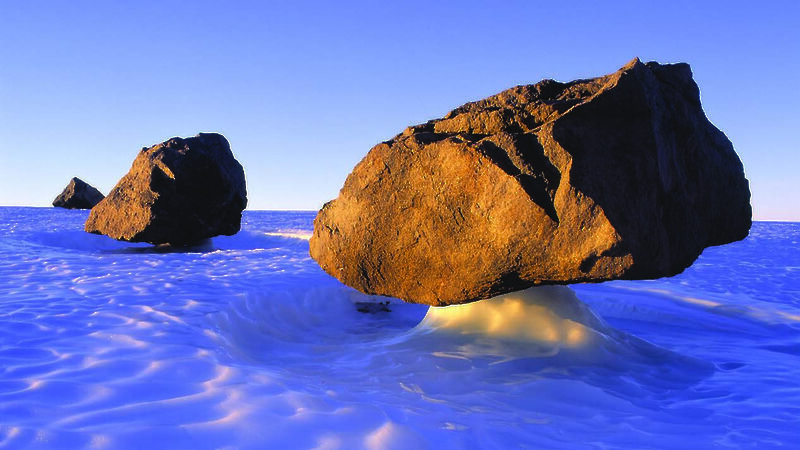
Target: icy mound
{"x":547,"y":314}
{"x":323,"y":330}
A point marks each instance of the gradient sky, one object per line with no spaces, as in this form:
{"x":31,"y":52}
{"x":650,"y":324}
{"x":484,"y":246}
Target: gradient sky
{"x":303,"y":90}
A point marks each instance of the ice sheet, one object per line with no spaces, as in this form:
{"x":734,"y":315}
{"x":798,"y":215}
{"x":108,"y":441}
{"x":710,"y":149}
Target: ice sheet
{"x":243,"y":342}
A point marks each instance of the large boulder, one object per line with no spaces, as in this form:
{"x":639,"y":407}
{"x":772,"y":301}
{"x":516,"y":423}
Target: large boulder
{"x":78,"y":195}
{"x":178,"y":192}
{"x":616,"y":177}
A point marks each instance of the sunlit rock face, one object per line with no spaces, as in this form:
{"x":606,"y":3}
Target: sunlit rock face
{"x":78,"y":195}
{"x":616,"y":177}
{"x":179,"y":192}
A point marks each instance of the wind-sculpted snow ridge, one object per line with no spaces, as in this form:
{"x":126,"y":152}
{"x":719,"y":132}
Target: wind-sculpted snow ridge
{"x":246,"y":343}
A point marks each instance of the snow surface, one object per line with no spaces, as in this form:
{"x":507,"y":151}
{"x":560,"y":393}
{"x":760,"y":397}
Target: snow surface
{"x":243,"y":342}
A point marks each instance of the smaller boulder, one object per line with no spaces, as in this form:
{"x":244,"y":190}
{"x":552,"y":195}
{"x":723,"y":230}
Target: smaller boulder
{"x":78,"y":195}
{"x":179,"y":192}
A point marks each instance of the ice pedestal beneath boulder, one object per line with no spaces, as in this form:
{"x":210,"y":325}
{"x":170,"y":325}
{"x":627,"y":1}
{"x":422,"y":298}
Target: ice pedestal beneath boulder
{"x":548,"y":314}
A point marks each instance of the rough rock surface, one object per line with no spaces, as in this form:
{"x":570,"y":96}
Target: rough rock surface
{"x":78,"y":195}
{"x":178,"y":192}
{"x":616,"y":177}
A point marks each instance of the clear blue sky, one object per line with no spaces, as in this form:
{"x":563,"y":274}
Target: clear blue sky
{"x":303,"y":90}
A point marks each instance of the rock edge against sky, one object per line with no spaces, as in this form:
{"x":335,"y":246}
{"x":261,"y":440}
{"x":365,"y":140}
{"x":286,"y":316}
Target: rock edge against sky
{"x":616,"y":177}
{"x":78,"y":195}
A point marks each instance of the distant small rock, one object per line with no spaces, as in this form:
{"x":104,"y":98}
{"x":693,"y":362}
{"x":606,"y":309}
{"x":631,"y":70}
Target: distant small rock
{"x":178,"y":192}
{"x":78,"y":195}
{"x":616,"y":177}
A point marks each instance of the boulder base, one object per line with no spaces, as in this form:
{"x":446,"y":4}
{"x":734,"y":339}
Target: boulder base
{"x":616,"y":177}
{"x":178,"y":192}
{"x":78,"y":195}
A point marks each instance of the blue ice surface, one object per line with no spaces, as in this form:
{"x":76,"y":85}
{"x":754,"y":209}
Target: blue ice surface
{"x":243,"y":342}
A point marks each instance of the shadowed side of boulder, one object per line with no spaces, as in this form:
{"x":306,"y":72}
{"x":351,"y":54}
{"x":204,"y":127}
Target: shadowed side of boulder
{"x":178,"y":192}
{"x":616,"y":177}
{"x":78,"y":195}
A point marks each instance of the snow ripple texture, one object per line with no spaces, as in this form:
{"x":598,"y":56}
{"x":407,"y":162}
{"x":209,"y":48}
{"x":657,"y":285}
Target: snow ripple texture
{"x":243,"y":342}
